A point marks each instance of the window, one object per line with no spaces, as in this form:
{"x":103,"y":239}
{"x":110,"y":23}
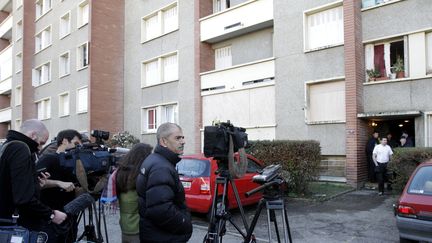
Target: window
{"x":429,"y":53}
{"x":154,"y":116}
{"x":386,"y":59}
{"x":220,"y":5}
{"x":65,"y":25}
{"x":18,"y":95}
{"x":422,"y":182}
{"x":42,"y":7}
{"x":19,"y":30}
{"x":82,"y":100}
{"x":193,"y":168}
{"x":159,"y":23}
{"x":324,"y":28}
{"x":6,"y":62}
{"x":17,"y":124}
{"x":43,"y":39}
{"x":42,"y":74}
{"x":44,"y":109}
{"x":64,"y":104}
{"x":64,"y":64}
{"x":18,"y":63}
{"x":159,"y":70}
{"x":82,"y":56}
{"x":252,"y":166}
{"x":19,"y":3}
{"x":223,"y":57}
{"x":371,"y":3}
{"x":83,"y":13}
{"x":326,"y":102}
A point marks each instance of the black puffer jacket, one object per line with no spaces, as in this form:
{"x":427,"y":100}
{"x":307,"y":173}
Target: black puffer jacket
{"x":19,"y":186}
{"x":163,"y":213}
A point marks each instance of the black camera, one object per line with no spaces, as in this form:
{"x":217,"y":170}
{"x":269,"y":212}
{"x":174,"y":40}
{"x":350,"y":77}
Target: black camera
{"x":100,"y":135}
{"x":216,"y":139}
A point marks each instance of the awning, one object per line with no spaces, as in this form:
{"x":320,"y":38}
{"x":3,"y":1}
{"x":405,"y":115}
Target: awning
{"x":385,"y":115}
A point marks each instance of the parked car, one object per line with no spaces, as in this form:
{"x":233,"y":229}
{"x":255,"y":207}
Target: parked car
{"x":197,"y":174}
{"x":414,"y":208}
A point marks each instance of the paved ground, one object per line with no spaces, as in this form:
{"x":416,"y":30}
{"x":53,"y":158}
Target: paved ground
{"x":358,"y":216}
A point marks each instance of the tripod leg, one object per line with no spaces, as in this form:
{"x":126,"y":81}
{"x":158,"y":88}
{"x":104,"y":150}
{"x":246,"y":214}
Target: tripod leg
{"x":238,"y":203}
{"x":212,"y":230}
{"x":254,"y":220}
{"x":104,"y":221}
{"x":273,"y":217}
{"x":268,"y":225}
{"x":286,"y":225}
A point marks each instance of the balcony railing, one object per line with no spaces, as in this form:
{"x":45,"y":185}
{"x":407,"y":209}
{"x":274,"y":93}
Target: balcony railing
{"x":6,"y":28}
{"x":237,"y":20}
{"x":239,"y":77}
{"x":6,"y":114}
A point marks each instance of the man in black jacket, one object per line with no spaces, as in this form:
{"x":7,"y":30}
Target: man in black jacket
{"x":369,"y":149}
{"x":163,"y":213}
{"x":19,"y":182}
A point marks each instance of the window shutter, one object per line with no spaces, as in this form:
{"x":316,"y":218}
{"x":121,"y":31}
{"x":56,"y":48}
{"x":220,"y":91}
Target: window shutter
{"x":35,"y":77}
{"x":170,"y":19}
{"x":152,"y":27}
{"x":429,"y":52}
{"x":223,"y":57}
{"x":170,"y":68}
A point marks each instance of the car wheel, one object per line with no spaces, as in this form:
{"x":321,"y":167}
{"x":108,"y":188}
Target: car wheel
{"x":403,"y":240}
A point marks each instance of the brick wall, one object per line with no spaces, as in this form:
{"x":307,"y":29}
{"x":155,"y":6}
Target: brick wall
{"x":106,"y":65}
{"x":356,"y":129}
{"x":28,"y":105}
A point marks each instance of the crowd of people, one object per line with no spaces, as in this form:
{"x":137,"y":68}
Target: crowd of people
{"x":379,"y":152}
{"x":150,"y":195}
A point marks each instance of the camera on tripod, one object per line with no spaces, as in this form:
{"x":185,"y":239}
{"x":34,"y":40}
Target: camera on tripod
{"x":217,"y":139}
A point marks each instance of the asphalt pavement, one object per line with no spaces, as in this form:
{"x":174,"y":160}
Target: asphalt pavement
{"x":357,"y":216}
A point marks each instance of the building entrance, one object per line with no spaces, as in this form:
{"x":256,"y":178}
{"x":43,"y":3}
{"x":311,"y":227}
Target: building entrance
{"x":395,"y":127}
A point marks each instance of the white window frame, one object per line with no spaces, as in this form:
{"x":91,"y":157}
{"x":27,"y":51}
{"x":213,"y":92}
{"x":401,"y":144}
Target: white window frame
{"x":44,"y":9}
{"x":38,"y":82}
{"x":43,"y":39}
{"x":222,"y":62}
{"x":161,"y":23}
{"x":61,"y":23}
{"x":19,"y":30}
{"x":61,"y":104}
{"x":80,"y":22}
{"x":160,"y":72}
{"x":428,"y":44}
{"x":316,"y":10}
{"x":160,"y":116}
{"x":17,"y":124}
{"x":19,"y":3}
{"x":45,"y":112}
{"x":18,"y":95}
{"x":307,"y":100}
{"x":18,"y":62}
{"x":377,"y":5}
{"x":68,"y":71}
{"x":78,"y":100}
{"x":79,"y":56}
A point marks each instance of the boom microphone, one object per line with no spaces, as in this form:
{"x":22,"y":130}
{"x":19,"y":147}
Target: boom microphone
{"x":79,"y":204}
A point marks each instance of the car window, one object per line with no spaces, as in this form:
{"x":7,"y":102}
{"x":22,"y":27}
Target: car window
{"x":422,"y":181}
{"x":253,"y":167}
{"x":193,"y":167}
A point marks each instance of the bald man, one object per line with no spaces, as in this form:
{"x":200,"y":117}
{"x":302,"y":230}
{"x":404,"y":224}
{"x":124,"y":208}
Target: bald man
{"x":19,"y":182}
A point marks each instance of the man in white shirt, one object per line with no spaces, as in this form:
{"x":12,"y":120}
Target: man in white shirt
{"x":381,"y":155}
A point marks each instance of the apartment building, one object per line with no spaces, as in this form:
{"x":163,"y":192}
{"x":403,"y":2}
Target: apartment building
{"x":67,"y":64}
{"x":328,"y":70}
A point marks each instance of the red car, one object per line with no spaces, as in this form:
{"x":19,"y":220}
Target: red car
{"x":414,"y":208}
{"x":197,"y":174}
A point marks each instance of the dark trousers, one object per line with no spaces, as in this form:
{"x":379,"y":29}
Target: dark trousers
{"x":381,"y":174}
{"x":371,"y":168}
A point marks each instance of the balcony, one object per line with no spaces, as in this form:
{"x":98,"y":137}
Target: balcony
{"x":6,"y":114}
{"x":6,"y":28}
{"x":6,"y":70}
{"x":243,"y":76}
{"x":6,"y":86}
{"x":6,"y":6}
{"x":237,"y":20}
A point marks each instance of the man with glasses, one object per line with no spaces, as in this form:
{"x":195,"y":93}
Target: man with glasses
{"x":20,"y":183}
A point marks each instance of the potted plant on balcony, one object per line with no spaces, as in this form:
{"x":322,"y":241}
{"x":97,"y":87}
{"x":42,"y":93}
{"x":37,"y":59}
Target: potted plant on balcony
{"x":399,"y":68}
{"x":373,"y":74}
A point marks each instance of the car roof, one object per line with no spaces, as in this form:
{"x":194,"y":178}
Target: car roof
{"x":201,"y":156}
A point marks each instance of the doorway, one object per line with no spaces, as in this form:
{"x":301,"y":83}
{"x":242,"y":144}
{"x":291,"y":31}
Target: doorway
{"x":394,"y":126}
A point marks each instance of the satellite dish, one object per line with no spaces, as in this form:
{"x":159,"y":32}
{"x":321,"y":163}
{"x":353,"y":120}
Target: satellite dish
{"x":237,"y":169}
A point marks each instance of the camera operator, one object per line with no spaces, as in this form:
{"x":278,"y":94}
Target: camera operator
{"x":163,"y":213}
{"x":19,"y":181}
{"x":59,"y":188}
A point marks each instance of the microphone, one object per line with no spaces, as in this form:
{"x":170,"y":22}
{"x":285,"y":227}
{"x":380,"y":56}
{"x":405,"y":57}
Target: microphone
{"x":79,"y":204}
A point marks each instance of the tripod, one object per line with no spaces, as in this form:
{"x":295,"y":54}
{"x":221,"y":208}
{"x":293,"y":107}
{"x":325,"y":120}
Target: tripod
{"x":91,"y":232}
{"x":272,"y":200}
{"x":219,"y":214}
